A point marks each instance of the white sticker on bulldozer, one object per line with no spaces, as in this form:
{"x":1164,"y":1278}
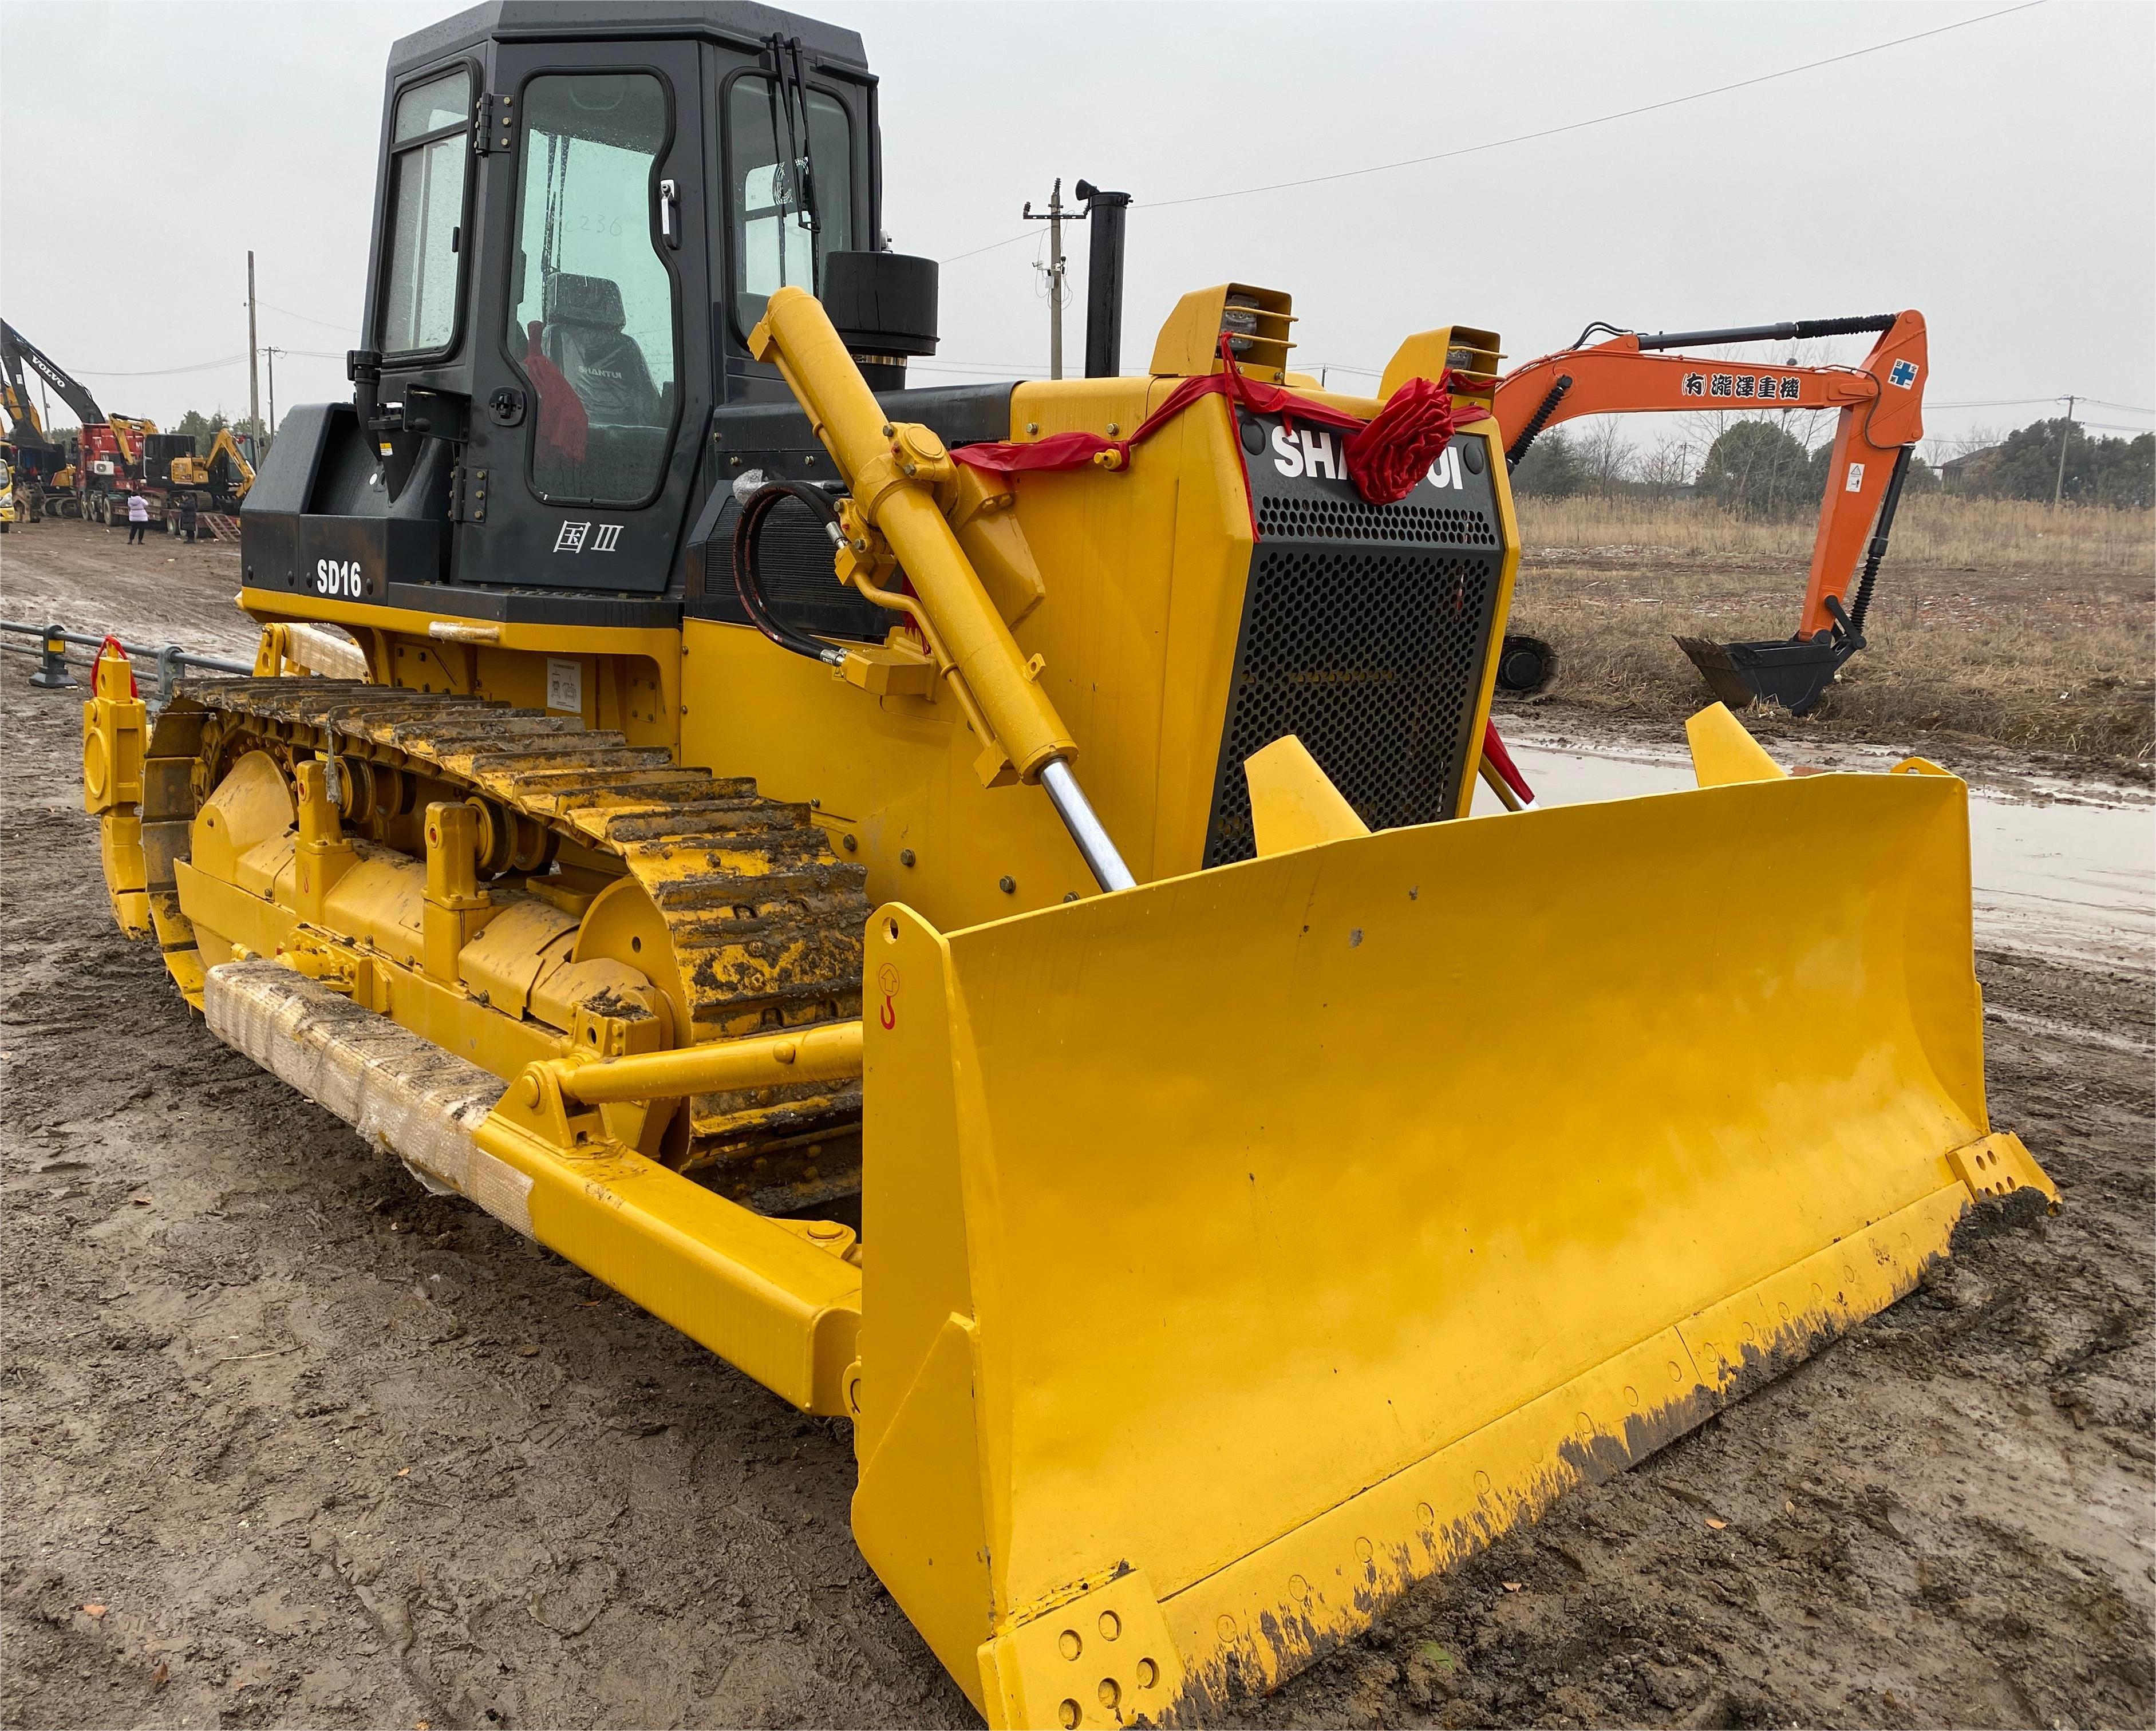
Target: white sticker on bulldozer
{"x":1855,"y":481}
{"x":565,"y":685}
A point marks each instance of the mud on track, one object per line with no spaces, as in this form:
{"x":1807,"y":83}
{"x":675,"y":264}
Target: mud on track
{"x":329,"y":1451}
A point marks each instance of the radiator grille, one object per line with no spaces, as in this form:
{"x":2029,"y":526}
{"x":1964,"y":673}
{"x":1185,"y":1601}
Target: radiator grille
{"x":1290,"y":518}
{"x":1373,"y":660}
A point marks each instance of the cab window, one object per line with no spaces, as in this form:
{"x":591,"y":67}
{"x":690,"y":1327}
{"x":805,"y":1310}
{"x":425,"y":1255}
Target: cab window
{"x":791,"y":176}
{"x":428,"y":151}
{"x":592,"y":316}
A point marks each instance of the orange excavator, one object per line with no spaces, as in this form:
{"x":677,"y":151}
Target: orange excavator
{"x":1882,"y":403}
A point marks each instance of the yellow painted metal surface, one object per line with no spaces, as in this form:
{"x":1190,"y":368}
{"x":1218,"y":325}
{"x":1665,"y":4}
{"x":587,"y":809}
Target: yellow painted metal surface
{"x":1145,"y":570}
{"x":1724,"y":751}
{"x":893,"y":471}
{"x":1297,"y":1252}
{"x":827,"y":1053}
{"x":630,"y":678}
{"x":1104,"y":1658}
{"x":776,"y":1299}
{"x":1293,"y":803}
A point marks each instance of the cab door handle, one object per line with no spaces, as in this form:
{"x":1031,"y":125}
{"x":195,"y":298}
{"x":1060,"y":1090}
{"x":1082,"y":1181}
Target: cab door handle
{"x":669,"y":213}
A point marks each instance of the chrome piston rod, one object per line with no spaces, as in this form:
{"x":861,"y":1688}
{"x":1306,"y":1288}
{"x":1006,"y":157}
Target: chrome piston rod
{"x":1100,"y":854}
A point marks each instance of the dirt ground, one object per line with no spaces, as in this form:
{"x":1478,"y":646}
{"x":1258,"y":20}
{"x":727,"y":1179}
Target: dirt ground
{"x":288,"y":1441}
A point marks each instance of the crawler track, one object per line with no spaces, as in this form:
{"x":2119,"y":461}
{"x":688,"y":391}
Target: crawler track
{"x":765,"y":923}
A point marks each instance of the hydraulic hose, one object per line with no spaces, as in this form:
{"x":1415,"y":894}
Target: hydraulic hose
{"x":1877,"y":549}
{"x":748,"y":575}
{"x":1537,"y":421}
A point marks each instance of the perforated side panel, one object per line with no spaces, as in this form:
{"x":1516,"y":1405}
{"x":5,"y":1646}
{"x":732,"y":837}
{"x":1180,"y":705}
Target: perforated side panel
{"x":1373,"y":660}
{"x":1365,"y":632}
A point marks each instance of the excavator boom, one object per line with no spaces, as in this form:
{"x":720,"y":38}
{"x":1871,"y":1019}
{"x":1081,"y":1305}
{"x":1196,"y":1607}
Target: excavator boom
{"x":1881,"y":418}
{"x":108,"y":446}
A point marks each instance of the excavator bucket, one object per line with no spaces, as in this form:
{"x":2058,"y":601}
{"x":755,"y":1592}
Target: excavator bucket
{"x":1248,"y":1245}
{"x":1793,"y":674}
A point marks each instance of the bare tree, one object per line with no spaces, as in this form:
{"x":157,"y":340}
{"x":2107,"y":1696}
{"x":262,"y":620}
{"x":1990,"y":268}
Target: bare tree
{"x":1605,"y":455}
{"x":1665,"y":468}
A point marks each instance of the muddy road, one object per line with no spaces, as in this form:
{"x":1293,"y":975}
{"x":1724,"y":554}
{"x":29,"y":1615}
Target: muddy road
{"x":288,"y":1441}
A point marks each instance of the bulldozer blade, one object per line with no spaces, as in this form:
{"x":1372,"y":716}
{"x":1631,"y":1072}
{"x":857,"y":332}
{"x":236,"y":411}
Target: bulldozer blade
{"x":1247,"y":1246}
{"x":1794,"y":673}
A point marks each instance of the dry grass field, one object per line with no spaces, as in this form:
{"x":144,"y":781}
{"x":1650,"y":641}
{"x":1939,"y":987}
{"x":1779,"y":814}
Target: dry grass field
{"x":1992,"y":619}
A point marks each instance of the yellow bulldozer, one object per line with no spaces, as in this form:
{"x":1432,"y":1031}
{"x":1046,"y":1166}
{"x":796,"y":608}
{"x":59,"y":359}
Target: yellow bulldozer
{"x":964,"y":900}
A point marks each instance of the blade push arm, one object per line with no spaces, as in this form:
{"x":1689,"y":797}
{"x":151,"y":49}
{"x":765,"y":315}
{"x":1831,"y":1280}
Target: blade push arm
{"x":1881,"y":402}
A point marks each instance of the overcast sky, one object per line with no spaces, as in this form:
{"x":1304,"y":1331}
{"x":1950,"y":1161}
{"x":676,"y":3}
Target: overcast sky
{"x":2001,"y":178}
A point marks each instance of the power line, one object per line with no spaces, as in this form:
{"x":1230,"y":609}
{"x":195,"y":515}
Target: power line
{"x":309,"y":318}
{"x":1008,"y":240}
{"x":1600,"y":120}
{"x":2032,"y":402}
{"x":987,"y":369}
{"x":1467,"y":150}
{"x":1999,"y":403}
{"x":164,"y":372}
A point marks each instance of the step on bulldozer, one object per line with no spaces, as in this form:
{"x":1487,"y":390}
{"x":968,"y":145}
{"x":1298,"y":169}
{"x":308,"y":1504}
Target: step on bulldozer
{"x":966,"y":901}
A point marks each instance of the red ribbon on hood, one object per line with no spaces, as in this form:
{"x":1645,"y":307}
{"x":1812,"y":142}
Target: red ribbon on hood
{"x":1387,"y":457}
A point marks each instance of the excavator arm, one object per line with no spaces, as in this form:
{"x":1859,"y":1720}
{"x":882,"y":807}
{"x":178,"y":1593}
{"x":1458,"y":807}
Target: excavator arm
{"x":1880,"y":405}
{"x":16,"y":352}
{"x":130,"y":433}
{"x":225,"y":470}
{"x":240,"y":475}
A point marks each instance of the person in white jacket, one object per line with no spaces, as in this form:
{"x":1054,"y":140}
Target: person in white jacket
{"x":138,"y":518}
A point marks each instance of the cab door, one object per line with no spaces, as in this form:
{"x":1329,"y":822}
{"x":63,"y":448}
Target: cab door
{"x":593,"y":371}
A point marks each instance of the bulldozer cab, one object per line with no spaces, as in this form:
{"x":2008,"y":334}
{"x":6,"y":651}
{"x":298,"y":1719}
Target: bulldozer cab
{"x":573,"y":234}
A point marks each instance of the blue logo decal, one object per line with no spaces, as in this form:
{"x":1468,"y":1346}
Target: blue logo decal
{"x":1903,"y":373}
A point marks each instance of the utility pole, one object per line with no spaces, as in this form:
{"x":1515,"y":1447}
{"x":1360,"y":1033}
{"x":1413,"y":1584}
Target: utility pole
{"x":253,"y":382}
{"x":2065,"y":438}
{"x":262,"y":438}
{"x":1055,"y":221}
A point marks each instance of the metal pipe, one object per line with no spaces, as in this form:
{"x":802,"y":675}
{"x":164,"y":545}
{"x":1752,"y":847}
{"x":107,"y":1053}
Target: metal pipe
{"x":1087,"y":830}
{"x":1796,"y":331}
{"x":1105,"y":210}
{"x":831,"y":1052}
{"x":208,"y":663}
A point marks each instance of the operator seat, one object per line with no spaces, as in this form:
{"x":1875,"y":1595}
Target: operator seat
{"x":583,"y":335}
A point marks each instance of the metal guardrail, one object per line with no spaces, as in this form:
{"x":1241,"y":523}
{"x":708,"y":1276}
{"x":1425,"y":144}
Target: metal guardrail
{"x":56,"y":672}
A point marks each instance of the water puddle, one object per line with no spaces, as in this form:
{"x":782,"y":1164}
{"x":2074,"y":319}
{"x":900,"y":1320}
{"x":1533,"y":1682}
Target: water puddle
{"x":2070,"y":877}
